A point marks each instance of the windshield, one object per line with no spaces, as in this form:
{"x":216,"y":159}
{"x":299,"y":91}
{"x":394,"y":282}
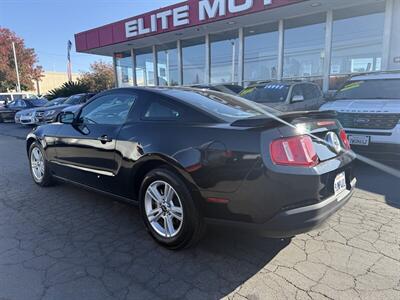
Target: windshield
{"x":370,"y":89}
{"x":73,"y":100}
{"x":223,"y":106}
{"x":270,"y":93}
{"x":38,"y":102}
{"x":55,"y":102}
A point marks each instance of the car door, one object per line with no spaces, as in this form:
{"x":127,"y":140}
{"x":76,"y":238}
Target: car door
{"x":85,"y":150}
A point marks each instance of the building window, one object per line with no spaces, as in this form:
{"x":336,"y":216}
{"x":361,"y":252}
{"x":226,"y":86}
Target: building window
{"x":194,"y":61}
{"x":123,"y":68}
{"x":167,"y":65}
{"x":144,"y":67}
{"x":260,"y":53}
{"x":357,"y":42}
{"x":304,"y":46}
{"x":224,"y":57}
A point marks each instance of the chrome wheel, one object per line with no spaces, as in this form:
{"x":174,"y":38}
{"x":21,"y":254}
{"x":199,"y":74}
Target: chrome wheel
{"x":163,"y":209}
{"x":37,"y":164}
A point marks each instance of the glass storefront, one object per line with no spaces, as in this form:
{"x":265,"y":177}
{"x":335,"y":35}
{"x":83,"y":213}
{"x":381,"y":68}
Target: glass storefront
{"x":304,"y":46}
{"x":260,"y":53}
{"x":123,"y":68}
{"x":144,"y":67}
{"x":193,"y":61}
{"x":357,"y":43}
{"x":357,"y":46}
{"x":167,"y":65}
{"x":224,"y":57}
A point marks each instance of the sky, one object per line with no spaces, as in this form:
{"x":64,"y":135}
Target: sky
{"x":47,"y":25}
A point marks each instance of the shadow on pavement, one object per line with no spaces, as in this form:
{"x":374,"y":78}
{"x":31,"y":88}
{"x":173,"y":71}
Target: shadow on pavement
{"x":376,"y":181}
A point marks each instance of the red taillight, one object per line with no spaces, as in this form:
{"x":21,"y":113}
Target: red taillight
{"x":345,"y":140}
{"x":294,"y":151}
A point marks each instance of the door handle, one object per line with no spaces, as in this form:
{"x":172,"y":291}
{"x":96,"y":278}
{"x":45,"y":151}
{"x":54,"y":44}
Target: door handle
{"x":104,"y":139}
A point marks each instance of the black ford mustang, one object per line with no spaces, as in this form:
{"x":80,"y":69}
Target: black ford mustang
{"x":189,"y":157}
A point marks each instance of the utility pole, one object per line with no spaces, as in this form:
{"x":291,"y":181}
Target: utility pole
{"x":16,"y":68}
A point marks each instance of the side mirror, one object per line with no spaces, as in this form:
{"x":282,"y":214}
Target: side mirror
{"x":298,"y":98}
{"x":67,"y":117}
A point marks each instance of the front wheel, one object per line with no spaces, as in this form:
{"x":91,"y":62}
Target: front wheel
{"x":169,"y":211}
{"x":38,"y":166}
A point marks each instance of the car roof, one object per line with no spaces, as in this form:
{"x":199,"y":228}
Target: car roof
{"x":375,"y":76}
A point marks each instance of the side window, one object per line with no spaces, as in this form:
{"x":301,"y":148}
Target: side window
{"x":317,"y":92}
{"x":308,"y":92}
{"x":158,"y":110}
{"x":297,"y":91}
{"x":112,"y":109}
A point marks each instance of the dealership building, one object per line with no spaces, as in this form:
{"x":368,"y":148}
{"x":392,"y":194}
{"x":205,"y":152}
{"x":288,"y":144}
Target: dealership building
{"x":245,"y":41}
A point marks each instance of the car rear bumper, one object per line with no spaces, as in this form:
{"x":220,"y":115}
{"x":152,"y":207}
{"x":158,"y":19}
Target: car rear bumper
{"x":295,"y":221}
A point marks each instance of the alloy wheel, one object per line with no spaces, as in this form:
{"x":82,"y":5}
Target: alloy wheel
{"x":163,"y":209}
{"x":37,"y":164}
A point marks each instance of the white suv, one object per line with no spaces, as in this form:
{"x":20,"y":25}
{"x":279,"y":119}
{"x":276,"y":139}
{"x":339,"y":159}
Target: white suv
{"x":368,"y":107}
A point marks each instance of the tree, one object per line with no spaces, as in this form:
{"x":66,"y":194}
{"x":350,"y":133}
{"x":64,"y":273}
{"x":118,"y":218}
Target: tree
{"x":27,"y":63}
{"x":68,"y":89}
{"x":100,"y":77}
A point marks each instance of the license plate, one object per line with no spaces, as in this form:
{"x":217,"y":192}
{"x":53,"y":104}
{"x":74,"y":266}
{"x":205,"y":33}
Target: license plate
{"x":360,"y":140}
{"x":340,"y":183}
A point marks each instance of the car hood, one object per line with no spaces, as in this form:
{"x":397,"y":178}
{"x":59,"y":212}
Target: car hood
{"x":26,"y":111}
{"x":367,"y":105}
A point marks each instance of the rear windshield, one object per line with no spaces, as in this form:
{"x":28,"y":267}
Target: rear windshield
{"x":38,"y":102}
{"x":223,"y":106}
{"x":370,"y":89}
{"x":270,"y":93}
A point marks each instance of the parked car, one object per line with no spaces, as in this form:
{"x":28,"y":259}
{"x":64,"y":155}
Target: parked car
{"x":286,"y":95}
{"x":28,"y":116}
{"x":233,"y":89}
{"x":368,"y":107}
{"x":188,"y":157}
{"x":49,"y":114}
{"x":8,"y":111}
{"x":6,"y":98}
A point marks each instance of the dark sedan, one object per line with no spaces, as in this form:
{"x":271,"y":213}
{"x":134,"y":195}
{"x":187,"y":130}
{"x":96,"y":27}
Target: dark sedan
{"x":7,"y":112}
{"x":190,"y":157}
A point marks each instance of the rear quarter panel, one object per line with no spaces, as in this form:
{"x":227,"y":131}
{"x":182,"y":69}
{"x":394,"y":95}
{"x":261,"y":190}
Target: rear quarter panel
{"x":216,"y":158}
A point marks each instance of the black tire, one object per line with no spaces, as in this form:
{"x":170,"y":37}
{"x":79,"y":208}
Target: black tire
{"x":1,"y":119}
{"x":47,"y":179}
{"x":193,"y":226}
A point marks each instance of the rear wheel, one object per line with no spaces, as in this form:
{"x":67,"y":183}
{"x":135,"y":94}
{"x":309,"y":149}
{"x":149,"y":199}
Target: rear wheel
{"x":169,"y":211}
{"x":38,"y":166}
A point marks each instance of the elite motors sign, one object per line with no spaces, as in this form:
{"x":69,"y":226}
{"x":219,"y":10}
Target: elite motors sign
{"x":174,"y":17}
{"x":200,"y":11}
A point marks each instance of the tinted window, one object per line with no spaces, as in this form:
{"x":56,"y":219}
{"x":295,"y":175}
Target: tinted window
{"x":161,"y":111}
{"x":370,"y":89}
{"x":298,"y":91}
{"x":38,"y":102}
{"x":308,"y":91}
{"x":110,"y":109}
{"x":270,"y":93}
{"x":220,"y":105}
